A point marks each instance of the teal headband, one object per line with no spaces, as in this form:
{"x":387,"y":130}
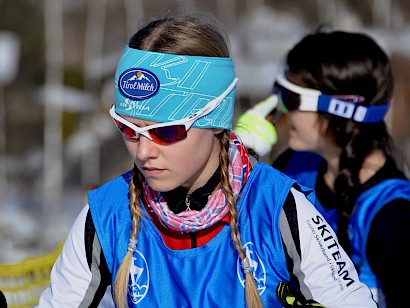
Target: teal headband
{"x":164,"y":87}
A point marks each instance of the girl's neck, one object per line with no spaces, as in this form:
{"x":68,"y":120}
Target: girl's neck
{"x":332,"y":157}
{"x":372,"y":163}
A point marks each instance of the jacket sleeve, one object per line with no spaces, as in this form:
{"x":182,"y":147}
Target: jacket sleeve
{"x":317,"y":263}
{"x":76,"y":277}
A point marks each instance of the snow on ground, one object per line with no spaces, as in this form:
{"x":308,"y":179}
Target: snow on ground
{"x":24,"y":234}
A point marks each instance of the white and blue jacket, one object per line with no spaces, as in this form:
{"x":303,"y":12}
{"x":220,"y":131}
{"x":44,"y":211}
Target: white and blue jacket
{"x":284,"y":237}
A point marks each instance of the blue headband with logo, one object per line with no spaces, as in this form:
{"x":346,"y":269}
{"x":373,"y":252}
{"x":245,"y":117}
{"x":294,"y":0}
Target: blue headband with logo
{"x":164,"y":87}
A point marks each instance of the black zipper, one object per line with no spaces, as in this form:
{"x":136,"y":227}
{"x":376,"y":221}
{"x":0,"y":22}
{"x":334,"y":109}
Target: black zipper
{"x":193,"y":239}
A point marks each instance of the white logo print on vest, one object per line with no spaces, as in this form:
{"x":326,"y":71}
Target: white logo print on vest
{"x":139,"y":278}
{"x":257,"y":267}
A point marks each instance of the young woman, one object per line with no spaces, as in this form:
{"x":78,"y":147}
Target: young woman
{"x":336,"y":90}
{"x":194,"y":223}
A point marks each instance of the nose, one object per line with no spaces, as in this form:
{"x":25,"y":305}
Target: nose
{"x":146,"y":148}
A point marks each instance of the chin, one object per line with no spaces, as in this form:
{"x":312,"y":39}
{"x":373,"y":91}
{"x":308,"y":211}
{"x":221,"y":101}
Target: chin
{"x":298,"y":146}
{"x":294,"y":144}
{"x":160,"y":186}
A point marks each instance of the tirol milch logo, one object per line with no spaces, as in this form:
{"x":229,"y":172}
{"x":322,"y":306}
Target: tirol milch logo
{"x":138,"y":84}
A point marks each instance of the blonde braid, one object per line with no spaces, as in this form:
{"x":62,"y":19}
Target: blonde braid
{"x":121,"y":279}
{"x":252,"y":295}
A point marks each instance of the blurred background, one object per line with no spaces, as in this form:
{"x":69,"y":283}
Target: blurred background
{"x":57,"y":62}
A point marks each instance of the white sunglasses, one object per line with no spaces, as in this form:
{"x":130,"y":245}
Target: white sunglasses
{"x":167,"y":133}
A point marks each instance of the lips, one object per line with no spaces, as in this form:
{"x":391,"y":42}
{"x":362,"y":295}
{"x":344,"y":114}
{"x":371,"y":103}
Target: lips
{"x":151,"y":171}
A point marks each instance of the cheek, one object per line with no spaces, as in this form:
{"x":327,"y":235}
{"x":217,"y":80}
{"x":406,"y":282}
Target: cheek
{"x":199,"y":144}
{"x":196,"y":152}
{"x":193,"y":159}
{"x":306,"y":132}
{"x":131,"y":147}
{"x":304,"y":121}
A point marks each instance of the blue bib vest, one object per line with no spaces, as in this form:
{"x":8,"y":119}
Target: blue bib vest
{"x":207,"y":276}
{"x":367,"y":205}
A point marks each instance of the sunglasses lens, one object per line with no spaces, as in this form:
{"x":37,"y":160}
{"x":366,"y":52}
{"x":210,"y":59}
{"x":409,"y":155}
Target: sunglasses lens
{"x":287,"y":99}
{"x":164,"y":135}
{"x":126,"y":131}
{"x":168,"y":134}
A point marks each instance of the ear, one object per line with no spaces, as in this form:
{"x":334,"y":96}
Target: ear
{"x":217,"y":131}
{"x":323,"y":125}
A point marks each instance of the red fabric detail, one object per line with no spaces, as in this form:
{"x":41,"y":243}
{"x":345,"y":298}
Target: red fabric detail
{"x":178,"y":241}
